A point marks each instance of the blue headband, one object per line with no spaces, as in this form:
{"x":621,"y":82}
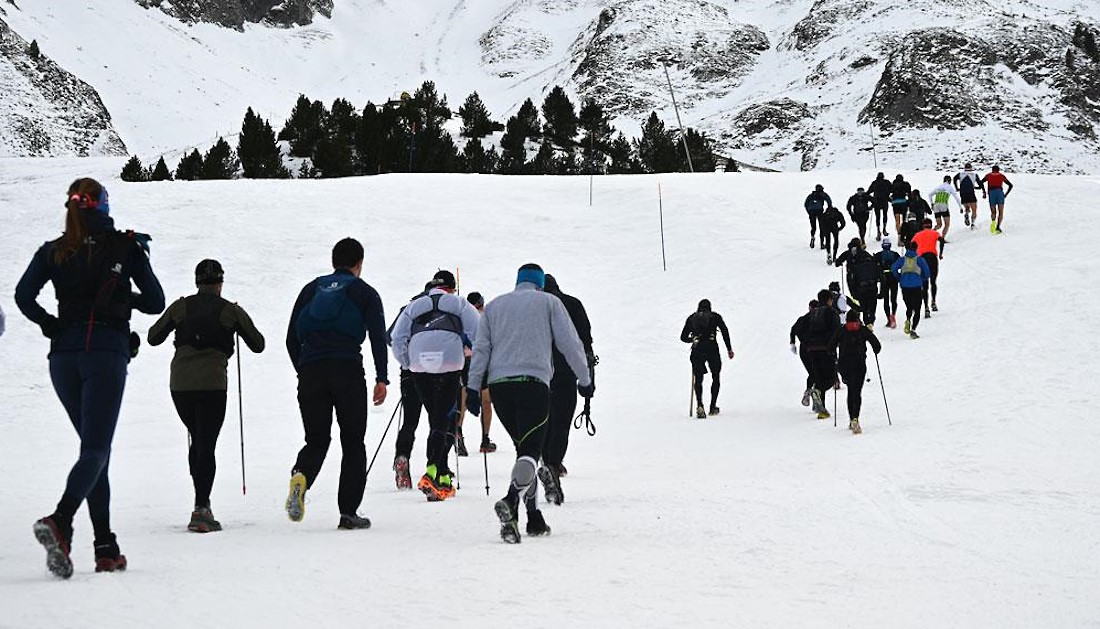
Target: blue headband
{"x":533,"y":276}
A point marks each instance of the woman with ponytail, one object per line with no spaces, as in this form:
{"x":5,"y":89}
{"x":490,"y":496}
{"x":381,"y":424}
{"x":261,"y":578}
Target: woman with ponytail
{"x":91,"y":267}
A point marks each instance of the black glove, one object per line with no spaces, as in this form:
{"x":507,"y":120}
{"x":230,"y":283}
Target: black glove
{"x":473,"y":402}
{"x":51,"y":327}
{"x":135,"y":344}
{"x":587,"y":391}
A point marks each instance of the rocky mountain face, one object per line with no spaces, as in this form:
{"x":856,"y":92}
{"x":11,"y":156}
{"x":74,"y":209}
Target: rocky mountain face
{"x":236,"y":13}
{"x":782,"y":84}
{"x":813,"y":83}
{"x":46,"y":111}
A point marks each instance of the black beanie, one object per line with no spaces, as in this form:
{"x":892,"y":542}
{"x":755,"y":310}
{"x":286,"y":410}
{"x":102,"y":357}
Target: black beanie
{"x":209,"y":272}
{"x":704,"y":305}
{"x":443,"y":279}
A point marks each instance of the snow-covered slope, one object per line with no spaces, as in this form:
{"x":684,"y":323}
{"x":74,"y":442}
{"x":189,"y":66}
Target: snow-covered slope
{"x":45,"y":110}
{"x":977,"y":508}
{"x":791,"y":84}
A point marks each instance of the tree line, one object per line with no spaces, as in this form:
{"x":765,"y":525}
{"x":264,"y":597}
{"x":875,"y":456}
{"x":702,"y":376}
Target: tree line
{"x":409,"y":135}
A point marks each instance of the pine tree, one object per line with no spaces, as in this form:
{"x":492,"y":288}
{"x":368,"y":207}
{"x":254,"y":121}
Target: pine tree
{"x":622,"y":157}
{"x":596,"y":134}
{"x":476,"y":122}
{"x":220,"y":162}
{"x":160,"y":172}
{"x":303,"y":128}
{"x":492,"y":161}
{"x":433,"y":149}
{"x":561,"y":118}
{"x":190,"y":167}
{"x":513,"y":150}
{"x":702,"y":152}
{"x":545,"y":161}
{"x":33,"y":50}
{"x":656,"y":147}
{"x":333,"y":155}
{"x":258,"y":151}
{"x":528,"y":118}
{"x":133,"y":170}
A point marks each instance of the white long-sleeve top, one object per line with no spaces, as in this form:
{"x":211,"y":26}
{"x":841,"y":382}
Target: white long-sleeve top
{"x":434,"y":351}
{"x":942,"y":193}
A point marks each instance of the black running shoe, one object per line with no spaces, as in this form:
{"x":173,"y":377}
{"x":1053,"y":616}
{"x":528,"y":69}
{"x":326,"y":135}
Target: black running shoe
{"x":350,"y":522}
{"x":460,"y":446}
{"x":551,"y":484}
{"x":536,"y":525}
{"x":509,"y":521}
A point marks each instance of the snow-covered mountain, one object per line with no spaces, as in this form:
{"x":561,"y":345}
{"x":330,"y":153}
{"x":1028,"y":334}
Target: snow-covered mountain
{"x":46,"y":110}
{"x":788,"y":84}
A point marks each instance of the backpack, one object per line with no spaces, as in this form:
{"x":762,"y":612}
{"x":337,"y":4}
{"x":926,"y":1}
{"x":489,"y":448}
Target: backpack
{"x":331,"y":309}
{"x":818,"y":325}
{"x":864,"y":273}
{"x":910,"y":266}
{"x":201,"y":327}
{"x":888,"y":259}
{"x":436,"y":319}
{"x":703,"y":327}
{"x":942,"y":197}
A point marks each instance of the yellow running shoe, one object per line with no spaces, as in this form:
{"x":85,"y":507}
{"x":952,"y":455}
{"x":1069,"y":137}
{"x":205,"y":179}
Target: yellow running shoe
{"x":296,"y":499}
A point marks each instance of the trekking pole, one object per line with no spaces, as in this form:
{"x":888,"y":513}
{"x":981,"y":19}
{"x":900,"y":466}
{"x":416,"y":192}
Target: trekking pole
{"x":834,"y":405}
{"x":691,"y":397}
{"x":384,"y":433}
{"x":240,"y":411}
{"x":485,"y":461}
{"x":883,"y":387}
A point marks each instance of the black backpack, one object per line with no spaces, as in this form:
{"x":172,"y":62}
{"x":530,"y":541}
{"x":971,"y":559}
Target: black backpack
{"x":703,"y":327}
{"x":201,"y":327}
{"x":436,"y":319}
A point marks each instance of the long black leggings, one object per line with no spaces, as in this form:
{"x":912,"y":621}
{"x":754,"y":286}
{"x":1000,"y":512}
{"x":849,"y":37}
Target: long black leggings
{"x":411,"y":405}
{"x":706,"y":356}
{"x":882,"y":214}
{"x":912,"y":299}
{"x":440,"y":394}
{"x":804,"y":356}
{"x":563,"y":403}
{"x":854,"y":373}
{"x":203,"y":413}
{"x":830,"y":240}
{"x":889,"y":296}
{"x":823,"y":364}
{"x":934,"y":272}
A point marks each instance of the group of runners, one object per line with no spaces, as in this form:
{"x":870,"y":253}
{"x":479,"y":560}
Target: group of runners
{"x":835,"y":350}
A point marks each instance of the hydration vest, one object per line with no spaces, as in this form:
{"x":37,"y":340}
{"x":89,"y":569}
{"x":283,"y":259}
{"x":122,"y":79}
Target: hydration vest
{"x":910,"y":266}
{"x":436,"y":319}
{"x":331,"y":310}
{"x":201,"y":327}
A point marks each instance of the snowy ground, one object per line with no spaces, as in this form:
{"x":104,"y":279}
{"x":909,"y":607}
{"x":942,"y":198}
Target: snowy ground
{"x":977,"y":508}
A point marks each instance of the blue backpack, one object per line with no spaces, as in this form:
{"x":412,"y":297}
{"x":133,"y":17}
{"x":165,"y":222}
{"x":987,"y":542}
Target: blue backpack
{"x":331,"y":310}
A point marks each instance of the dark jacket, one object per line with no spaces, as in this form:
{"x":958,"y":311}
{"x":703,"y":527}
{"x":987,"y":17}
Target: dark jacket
{"x":816,"y":202}
{"x":920,"y":208}
{"x":701,"y":330}
{"x":862,"y":272}
{"x":798,"y":330}
{"x":851,"y":339}
{"x":885,"y":260}
{"x":579,"y":317}
{"x":817,"y":328}
{"x":859,"y":204}
{"x":899,"y":190}
{"x":205,"y":325}
{"x":335,"y":345}
{"x":880,"y":189}
{"x":82,"y":324}
{"x":833,"y":220}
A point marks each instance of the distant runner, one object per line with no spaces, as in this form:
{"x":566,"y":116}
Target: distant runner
{"x":996,"y":182}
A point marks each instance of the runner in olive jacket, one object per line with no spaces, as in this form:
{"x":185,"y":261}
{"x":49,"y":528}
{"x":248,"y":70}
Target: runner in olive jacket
{"x":204,"y":324}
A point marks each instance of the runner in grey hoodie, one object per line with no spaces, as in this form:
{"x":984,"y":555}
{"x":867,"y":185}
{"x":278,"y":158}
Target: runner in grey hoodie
{"x":430,"y":340}
{"x":513,"y":352}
